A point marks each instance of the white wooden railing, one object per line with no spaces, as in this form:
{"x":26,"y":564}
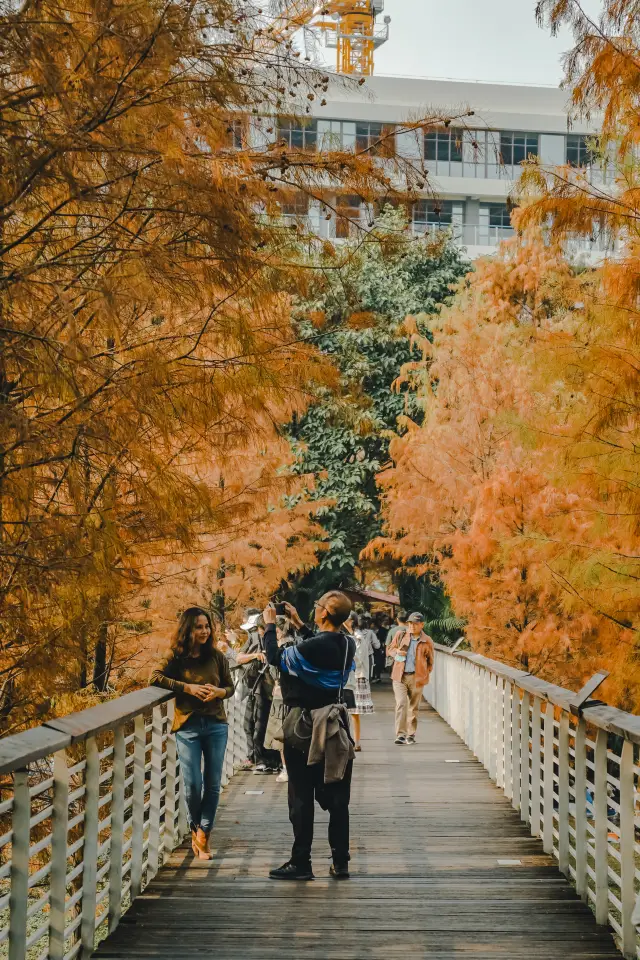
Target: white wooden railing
{"x":91,"y":807}
{"x":568,"y":764}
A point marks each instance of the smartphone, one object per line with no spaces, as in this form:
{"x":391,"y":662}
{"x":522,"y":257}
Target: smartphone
{"x":281,"y":609}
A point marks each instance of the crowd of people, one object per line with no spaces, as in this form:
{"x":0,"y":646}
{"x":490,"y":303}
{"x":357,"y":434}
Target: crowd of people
{"x":304,"y":692}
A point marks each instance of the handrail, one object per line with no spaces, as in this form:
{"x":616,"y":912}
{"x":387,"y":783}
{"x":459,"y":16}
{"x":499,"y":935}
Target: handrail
{"x":601,"y":715}
{"x":573,"y":778}
{"x":95,"y":806}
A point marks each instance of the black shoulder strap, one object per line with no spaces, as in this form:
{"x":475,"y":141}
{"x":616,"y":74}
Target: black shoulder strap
{"x":344,"y":668}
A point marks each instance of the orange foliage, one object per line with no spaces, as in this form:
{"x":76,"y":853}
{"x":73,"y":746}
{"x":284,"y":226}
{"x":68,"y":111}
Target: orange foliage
{"x":506,"y":490}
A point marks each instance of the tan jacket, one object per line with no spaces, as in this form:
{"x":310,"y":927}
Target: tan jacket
{"x":425,"y":654}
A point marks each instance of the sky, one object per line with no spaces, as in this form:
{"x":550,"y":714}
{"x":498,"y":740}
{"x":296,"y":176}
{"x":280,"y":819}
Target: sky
{"x":490,"y":40}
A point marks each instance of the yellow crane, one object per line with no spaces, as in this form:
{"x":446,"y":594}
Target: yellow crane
{"x":348,"y":26}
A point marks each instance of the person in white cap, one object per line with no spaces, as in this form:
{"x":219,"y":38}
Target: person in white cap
{"x":412,"y":654}
{"x":257,"y":686}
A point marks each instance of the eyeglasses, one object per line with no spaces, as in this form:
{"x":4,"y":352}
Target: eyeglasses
{"x":321,"y":605}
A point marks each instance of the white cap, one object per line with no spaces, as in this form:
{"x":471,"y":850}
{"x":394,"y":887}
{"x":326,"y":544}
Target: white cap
{"x":251,"y":623}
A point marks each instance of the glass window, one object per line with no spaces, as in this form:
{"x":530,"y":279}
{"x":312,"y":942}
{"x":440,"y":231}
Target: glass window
{"x":347,"y":211}
{"x":433,"y":213}
{"x":443,"y":145}
{"x":298,"y":134}
{"x":515,"y":148}
{"x":237,"y":133}
{"x":295,"y":205}
{"x":499,"y":215}
{"x":579,"y":150}
{"x":377,"y":138}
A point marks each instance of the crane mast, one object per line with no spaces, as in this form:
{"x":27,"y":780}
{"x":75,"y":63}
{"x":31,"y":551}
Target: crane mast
{"x":348,"y":26}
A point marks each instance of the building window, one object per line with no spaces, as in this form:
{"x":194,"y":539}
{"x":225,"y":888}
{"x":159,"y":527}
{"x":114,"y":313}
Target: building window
{"x":445,"y":145}
{"x":295,"y":205}
{"x":237,"y":133}
{"x":377,"y":138}
{"x":499,"y":215}
{"x":515,"y":148}
{"x":579,"y":150}
{"x":298,"y":134}
{"x":433,"y":213}
{"x":347,"y":215}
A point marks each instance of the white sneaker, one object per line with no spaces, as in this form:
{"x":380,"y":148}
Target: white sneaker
{"x":283,"y":777}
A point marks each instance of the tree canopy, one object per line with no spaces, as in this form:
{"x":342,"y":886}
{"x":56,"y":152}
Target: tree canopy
{"x":147,"y":353}
{"x":359,"y":314}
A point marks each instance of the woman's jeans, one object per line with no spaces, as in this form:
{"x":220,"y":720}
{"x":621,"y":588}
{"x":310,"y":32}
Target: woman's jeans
{"x":202,"y":741}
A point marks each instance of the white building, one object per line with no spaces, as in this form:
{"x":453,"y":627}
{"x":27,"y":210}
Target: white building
{"x":472,"y":166}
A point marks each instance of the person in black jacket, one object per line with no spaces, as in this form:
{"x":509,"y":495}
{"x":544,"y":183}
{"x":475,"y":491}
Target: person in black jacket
{"x":312,"y":675}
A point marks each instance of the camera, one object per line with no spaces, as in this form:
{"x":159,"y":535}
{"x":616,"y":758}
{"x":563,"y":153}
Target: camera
{"x":281,"y":609}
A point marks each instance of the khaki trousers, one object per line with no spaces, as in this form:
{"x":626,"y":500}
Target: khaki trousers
{"x":408,"y":698}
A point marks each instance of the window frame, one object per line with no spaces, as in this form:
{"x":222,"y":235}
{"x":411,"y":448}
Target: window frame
{"x":452,"y":140}
{"x":508,"y":146}
{"x":288,"y":128}
{"x":386,"y":133}
{"x":582,"y":149}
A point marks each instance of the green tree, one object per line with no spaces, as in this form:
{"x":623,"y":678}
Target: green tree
{"x":343,"y":438}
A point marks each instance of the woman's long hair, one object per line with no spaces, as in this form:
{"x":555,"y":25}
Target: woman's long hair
{"x":181,"y":642}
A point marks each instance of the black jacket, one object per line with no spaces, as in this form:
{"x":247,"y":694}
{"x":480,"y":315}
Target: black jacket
{"x":324,"y":650}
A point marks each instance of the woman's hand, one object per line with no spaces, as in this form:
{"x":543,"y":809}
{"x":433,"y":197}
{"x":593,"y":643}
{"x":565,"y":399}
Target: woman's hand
{"x":214,"y":693}
{"x":199,"y":690}
{"x":262,"y":657}
{"x":269,"y":613}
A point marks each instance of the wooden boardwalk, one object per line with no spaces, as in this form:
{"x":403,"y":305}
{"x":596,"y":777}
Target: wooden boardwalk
{"x":429,"y":832}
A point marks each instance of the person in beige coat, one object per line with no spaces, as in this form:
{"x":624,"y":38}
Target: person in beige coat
{"x":412,"y":654}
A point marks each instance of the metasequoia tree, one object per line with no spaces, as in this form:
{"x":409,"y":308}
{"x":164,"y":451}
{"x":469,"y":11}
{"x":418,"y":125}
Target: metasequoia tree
{"x":490,"y":491}
{"x":146,"y":344}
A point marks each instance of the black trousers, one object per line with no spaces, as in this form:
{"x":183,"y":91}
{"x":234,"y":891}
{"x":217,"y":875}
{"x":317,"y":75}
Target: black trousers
{"x":306,"y":784}
{"x":255,"y":727}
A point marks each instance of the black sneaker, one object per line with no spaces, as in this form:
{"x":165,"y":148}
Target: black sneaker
{"x":340,"y":871}
{"x":411,"y":738}
{"x":401,"y":740}
{"x":292,"y":871}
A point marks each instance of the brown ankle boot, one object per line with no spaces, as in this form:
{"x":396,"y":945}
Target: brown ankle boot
{"x":201,"y":843}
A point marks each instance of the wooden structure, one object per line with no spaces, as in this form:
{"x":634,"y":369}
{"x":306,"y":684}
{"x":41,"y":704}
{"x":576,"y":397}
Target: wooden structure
{"x":446,"y":864}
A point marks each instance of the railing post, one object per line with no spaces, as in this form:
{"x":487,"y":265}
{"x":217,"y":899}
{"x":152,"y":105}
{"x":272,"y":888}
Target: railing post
{"x":627,"y":849}
{"x":548,"y":791}
{"x":536,"y":759}
{"x":500,"y":731}
{"x":137,"y":809}
{"x":601,"y":827}
{"x":155,"y":792}
{"x":172,"y":797}
{"x":515,"y":747}
{"x":581,"y":809}
{"x":563,"y":794}
{"x":59,"y":834}
{"x":508,"y":734}
{"x":117,"y":827}
{"x":90,"y":848}
{"x":19,"y":866}
{"x":524,"y":756}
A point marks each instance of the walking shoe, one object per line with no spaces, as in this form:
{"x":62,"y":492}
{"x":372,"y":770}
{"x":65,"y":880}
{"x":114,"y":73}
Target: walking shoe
{"x":401,"y":740}
{"x":339,"y":871}
{"x":291,"y":871}
{"x":263,"y":768}
{"x":411,"y":738}
{"x":283,"y":777}
{"x":246,"y":765}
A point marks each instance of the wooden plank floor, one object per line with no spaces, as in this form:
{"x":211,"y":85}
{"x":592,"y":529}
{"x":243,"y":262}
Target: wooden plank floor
{"x":427,"y":836}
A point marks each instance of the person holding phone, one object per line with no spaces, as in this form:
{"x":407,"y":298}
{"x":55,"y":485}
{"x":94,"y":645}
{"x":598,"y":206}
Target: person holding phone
{"x":200,"y":677}
{"x":312,"y":676}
